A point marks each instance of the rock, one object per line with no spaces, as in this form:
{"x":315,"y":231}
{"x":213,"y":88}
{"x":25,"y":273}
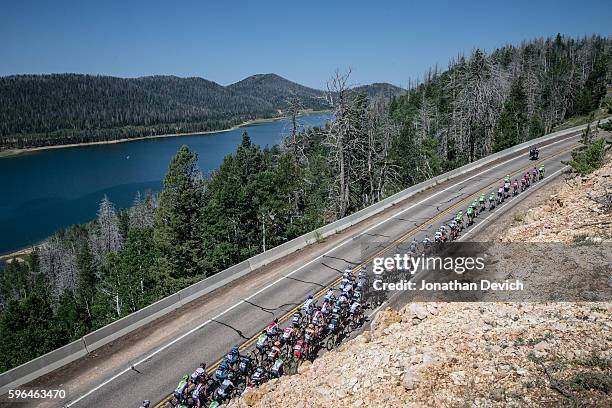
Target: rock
{"x":543,"y":345}
{"x":409,"y":380}
{"x":521,"y":371}
{"x":304,"y":367}
{"x":458,"y":377}
{"x":417,"y":310}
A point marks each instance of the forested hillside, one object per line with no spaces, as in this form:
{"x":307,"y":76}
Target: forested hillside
{"x":39,"y":110}
{"x":89,"y":275}
{"x":274,"y":89}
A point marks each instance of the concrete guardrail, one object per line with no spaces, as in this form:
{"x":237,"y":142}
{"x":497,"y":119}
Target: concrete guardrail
{"x":57,"y":358}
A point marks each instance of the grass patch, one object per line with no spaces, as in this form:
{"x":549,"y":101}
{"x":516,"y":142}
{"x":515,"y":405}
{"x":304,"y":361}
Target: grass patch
{"x":590,"y":381}
{"x":595,"y":360}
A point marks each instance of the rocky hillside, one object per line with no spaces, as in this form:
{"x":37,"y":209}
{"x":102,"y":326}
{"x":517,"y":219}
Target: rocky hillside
{"x":487,"y":354}
{"x":432,"y":355}
{"x":581,"y":210}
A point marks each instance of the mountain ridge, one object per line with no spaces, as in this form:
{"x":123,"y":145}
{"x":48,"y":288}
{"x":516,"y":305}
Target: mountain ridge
{"x":66,"y":108}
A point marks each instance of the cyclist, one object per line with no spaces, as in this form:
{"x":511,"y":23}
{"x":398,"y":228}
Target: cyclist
{"x":453,"y":229}
{"x":444,"y":232}
{"x":288,"y":335}
{"x":492,"y":200}
{"x":515,"y":187}
{"x":426,"y":242}
{"x":199,"y":374}
{"x":181,"y":390}
{"x":507,"y":178}
{"x":277,"y":368}
{"x":474,"y":206}
{"x":500,"y":195}
{"x":523,"y":184}
{"x":438,"y":236}
{"x":308,"y":304}
{"x":527,"y":179}
{"x":534,"y":174}
{"x":355,"y":309}
{"x":233,"y":357}
{"x":222,"y":372}
{"x":145,"y":404}
{"x":258,"y":376}
{"x":541,"y":171}
{"x":262,"y":341}
{"x":506,"y":189}
{"x":329,"y":296}
{"x":275,"y":351}
{"x":272,"y":329}
{"x":198,"y":395}
{"x":470,"y":215}
{"x":318,"y":319}
{"x":296,"y":319}
{"x":482,"y":200}
{"x":459,"y":219}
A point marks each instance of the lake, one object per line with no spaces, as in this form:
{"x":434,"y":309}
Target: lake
{"x":45,"y":190}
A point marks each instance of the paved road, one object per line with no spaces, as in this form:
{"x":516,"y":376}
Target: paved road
{"x":229,"y":322}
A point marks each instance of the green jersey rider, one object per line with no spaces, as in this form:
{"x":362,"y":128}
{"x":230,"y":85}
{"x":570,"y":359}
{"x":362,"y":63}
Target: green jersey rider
{"x":482,"y":200}
{"x":541,"y":171}
{"x":492,"y":199}
{"x":475,"y":206}
{"x":507,"y":178}
{"x":459,"y":219}
{"x":470,"y":214}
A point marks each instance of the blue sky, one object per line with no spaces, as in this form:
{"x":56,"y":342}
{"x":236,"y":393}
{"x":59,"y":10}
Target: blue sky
{"x":225,"y":41}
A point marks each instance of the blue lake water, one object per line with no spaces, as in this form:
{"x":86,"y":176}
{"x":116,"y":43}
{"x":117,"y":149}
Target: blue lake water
{"x":45,"y":190}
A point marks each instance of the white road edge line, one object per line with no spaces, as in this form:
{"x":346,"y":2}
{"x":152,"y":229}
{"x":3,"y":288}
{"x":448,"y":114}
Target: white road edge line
{"x":181,"y":337}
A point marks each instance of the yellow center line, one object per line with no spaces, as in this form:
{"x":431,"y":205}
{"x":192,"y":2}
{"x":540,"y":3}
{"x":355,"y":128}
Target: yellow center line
{"x":397,"y":241}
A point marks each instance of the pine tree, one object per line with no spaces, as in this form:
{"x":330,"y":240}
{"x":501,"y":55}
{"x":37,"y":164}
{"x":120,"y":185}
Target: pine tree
{"x":178,"y":217}
{"x":513,"y":125}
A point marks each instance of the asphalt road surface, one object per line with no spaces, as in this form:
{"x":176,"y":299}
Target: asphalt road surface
{"x":174,"y":346}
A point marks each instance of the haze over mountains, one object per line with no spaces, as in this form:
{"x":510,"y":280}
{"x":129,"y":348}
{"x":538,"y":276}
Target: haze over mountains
{"x":38,"y":110}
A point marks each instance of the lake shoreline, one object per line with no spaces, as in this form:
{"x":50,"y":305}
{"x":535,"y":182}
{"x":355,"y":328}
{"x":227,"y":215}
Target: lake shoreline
{"x":16,"y":152}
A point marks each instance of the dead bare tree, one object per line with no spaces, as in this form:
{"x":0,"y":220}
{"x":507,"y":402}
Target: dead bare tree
{"x":105,"y":236}
{"x":340,"y":139}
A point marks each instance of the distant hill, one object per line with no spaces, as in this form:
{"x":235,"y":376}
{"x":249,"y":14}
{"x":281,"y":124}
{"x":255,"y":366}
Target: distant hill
{"x":275,"y":89}
{"x":379,"y":89}
{"x":42,"y":110}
